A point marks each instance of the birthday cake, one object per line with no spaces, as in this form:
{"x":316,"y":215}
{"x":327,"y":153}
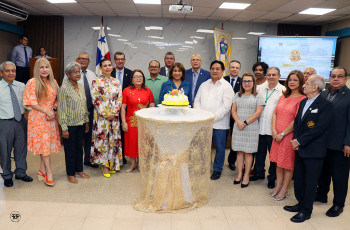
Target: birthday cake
{"x":176,"y":98}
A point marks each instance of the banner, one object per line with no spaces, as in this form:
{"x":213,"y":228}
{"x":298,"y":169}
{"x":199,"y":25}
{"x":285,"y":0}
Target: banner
{"x":102,"y":49}
{"x":223,"y":45}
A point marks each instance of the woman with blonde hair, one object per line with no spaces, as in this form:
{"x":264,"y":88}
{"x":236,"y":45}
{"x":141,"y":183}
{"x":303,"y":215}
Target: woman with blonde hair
{"x":43,"y":136}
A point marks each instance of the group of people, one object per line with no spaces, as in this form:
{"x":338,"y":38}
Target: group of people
{"x":99,"y":127}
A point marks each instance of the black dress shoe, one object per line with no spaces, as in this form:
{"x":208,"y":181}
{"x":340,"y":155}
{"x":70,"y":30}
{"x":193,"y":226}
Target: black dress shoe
{"x":300,"y":217}
{"x":25,"y":178}
{"x":8,"y":182}
{"x":321,"y":200}
{"x":91,"y":165}
{"x":271,"y":184}
{"x":334,"y":211}
{"x":244,"y":185}
{"x":256,"y":177}
{"x":232,"y":166}
{"x":294,"y":208}
{"x":216,"y":175}
{"x":236,"y":182}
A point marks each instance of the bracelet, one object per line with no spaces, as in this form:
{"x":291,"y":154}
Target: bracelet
{"x":282,"y":134}
{"x":245,"y":122}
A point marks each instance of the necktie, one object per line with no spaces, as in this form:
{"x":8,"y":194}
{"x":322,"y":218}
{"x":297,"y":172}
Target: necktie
{"x":120,"y":77}
{"x":194,"y":83}
{"x":26,"y":56}
{"x":232,"y":83}
{"x":87,"y":91}
{"x":16,"y":110}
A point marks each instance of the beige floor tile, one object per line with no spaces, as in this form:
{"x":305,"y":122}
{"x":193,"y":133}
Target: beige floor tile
{"x":127,"y":212}
{"x":76,"y":210}
{"x":97,"y":223}
{"x":129,"y":224}
{"x":262,"y":212}
{"x":185,"y":225}
{"x":49,"y":209}
{"x":208,"y":212}
{"x":210,"y":224}
{"x":192,"y":215}
{"x":39,"y":222}
{"x":324,"y":223}
{"x":237,"y":213}
{"x":157,"y":216}
{"x":242,"y":224}
{"x":6,"y":223}
{"x":68,"y":223}
{"x":289,"y":225}
{"x":271,"y":224}
{"x":156,"y":224}
{"x":102,"y":211}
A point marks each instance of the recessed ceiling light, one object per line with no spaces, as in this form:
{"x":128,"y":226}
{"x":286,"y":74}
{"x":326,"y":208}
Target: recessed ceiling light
{"x":153,"y":28}
{"x":256,"y":33}
{"x":98,"y":28}
{"x":134,"y":47}
{"x":238,"y":38}
{"x":122,"y":40}
{"x":234,"y":6}
{"x":147,"y":2}
{"x":188,"y":42}
{"x":62,"y":1}
{"x":156,"y":37}
{"x":115,"y":35}
{"x":317,"y":11}
{"x":197,"y":37}
{"x":205,"y":31}
{"x":187,"y":46}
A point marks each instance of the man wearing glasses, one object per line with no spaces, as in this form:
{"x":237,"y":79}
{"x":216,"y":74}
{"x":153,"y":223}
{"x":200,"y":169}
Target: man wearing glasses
{"x":169,"y":60}
{"x":87,"y":76}
{"x":308,"y":72}
{"x":120,"y":71}
{"x":155,"y":80}
{"x":196,"y":75}
{"x":336,"y":164}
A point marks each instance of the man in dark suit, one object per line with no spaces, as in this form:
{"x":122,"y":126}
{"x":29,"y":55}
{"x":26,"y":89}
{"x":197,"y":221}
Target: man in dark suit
{"x":169,"y":60}
{"x":120,"y":71}
{"x":310,"y":144}
{"x":124,"y":76}
{"x":196,"y":75}
{"x":337,"y":161}
{"x":235,"y":81}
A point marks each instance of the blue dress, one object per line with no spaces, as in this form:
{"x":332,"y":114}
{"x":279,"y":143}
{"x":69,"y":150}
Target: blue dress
{"x":170,"y":85}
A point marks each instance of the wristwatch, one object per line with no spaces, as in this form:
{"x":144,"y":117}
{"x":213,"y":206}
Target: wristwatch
{"x":282,"y":134}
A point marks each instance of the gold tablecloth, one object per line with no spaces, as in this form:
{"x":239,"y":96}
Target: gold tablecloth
{"x":174,"y":159}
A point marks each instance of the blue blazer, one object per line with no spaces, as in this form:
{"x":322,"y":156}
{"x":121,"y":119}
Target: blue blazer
{"x":162,"y":71}
{"x":203,"y":76}
{"x":126,"y":77}
{"x":169,"y":86}
{"x":237,"y":86}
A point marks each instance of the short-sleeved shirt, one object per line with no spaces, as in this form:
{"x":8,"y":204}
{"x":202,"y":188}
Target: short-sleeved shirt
{"x":155,"y":85}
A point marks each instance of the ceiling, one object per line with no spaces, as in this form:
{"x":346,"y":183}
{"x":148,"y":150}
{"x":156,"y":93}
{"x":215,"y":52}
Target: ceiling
{"x":264,"y":11}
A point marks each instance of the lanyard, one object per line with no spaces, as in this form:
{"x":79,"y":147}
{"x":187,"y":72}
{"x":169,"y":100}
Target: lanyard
{"x":267,"y":94}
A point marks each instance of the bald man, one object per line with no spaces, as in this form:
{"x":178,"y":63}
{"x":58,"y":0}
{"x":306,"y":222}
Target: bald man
{"x":196,"y":75}
{"x":308,"y":72}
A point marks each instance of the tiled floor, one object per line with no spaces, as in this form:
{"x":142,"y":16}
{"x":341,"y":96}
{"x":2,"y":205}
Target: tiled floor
{"x":101,"y":203}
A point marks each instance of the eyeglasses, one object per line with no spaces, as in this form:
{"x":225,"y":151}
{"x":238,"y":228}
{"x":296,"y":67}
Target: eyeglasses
{"x":247,"y":81}
{"x":83,"y":59}
{"x":336,"y":76}
{"x":76,"y":73}
{"x":120,"y":59}
{"x":295,"y":80}
{"x":137,"y":77}
{"x":196,"y":60}
{"x":153,"y":67}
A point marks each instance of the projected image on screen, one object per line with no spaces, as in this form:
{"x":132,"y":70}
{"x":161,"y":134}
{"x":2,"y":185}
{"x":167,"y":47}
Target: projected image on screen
{"x":298,"y":53}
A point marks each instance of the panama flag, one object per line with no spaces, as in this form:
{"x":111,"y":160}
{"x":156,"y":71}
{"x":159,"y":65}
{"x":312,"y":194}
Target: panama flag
{"x":102,"y":49}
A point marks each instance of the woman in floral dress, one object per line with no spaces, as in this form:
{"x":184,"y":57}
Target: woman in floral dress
{"x":43,"y":136}
{"x":106,"y":93}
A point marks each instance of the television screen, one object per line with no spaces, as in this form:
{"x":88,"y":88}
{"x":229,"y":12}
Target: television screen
{"x":298,"y":53}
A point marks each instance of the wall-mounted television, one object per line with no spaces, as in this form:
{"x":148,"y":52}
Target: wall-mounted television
{"x":298,"y":53}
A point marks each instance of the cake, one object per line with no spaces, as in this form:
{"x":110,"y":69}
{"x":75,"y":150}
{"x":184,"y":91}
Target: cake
{"x":176,"y":98}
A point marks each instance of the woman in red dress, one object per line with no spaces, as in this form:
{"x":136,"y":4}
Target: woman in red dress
{"x":135,"y":97}
{"x":282,"y":133}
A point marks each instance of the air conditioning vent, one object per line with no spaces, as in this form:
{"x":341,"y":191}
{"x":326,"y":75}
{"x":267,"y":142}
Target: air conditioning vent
{"x":11,"y":13}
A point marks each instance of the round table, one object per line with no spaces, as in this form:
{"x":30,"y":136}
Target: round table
{"x":174,"y":159}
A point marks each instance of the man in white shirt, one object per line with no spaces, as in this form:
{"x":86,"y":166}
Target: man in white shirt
{"x":216,"y":95}
{"x":272,"y":91}
{"x":87,"y":76}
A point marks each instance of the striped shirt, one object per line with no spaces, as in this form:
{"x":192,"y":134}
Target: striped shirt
{"x":72,"y":108}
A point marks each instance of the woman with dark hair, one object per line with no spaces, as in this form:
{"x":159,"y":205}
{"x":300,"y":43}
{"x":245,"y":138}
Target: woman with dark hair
{"x":42,"y":52}
{"x":106,"y":95}
{"x":176,"y":81}
{"x":246,"y":109}
{"x":135,"y":97}
{"x":260,"y":70}
{"x":282,"y":152}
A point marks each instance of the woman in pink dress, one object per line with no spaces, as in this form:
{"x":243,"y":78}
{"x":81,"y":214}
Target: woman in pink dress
{"x":40,"y":94}
{"x":282,"y":152}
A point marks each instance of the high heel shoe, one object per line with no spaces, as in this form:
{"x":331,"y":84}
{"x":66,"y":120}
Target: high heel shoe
{"x":272,"y":194}
{"x":130,"y":170}
{"x":244,"y":185}
{"x":107,"y":175}
{"x":48,"y":182}
{"x":41,"y":175}
{"x":237,"y":182}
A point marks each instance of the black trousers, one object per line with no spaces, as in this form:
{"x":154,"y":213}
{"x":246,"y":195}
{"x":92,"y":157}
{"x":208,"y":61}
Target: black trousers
{"x":232,"y":156}
{"x":306,"y":174}
{"x":73,"y":150}
{"x":265,"y":142}
{"x":336,"y":168}
{"x":88,"y":137}
{"x":22,"y":74}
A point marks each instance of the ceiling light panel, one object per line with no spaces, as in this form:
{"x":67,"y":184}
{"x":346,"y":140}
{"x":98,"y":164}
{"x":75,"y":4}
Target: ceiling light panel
{"x":234,"y":6}
{"x":147,"y":2}
{"x":317,"y":11}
